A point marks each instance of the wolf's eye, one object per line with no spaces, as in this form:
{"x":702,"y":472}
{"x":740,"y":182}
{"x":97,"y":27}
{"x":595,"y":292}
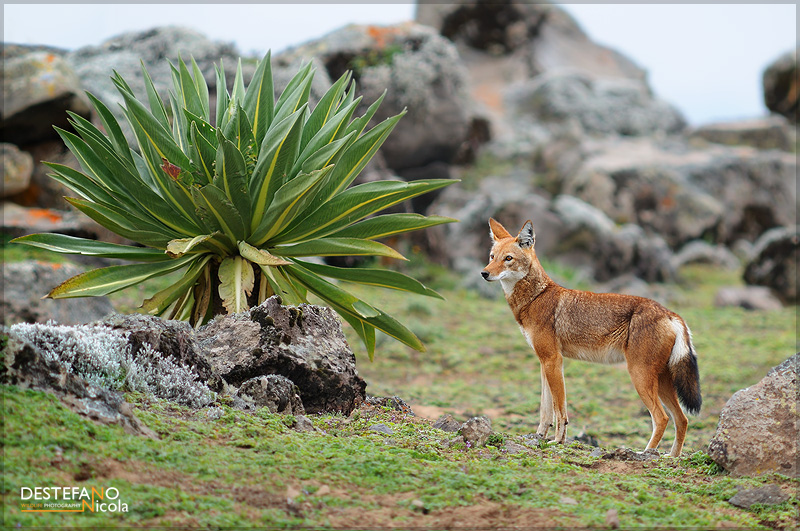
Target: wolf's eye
{"x":509,"y":258}
{"x":491,"y":256}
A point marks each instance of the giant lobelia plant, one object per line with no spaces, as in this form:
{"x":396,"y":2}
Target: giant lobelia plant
{"x":238,"y":202}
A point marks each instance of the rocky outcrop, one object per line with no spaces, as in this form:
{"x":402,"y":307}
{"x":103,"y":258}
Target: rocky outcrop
{"x":683,"y":193}
{"x":304,"y":343}
{"x":780,"y":86}
{"x":24,"y":283}
{"x":774,"y":263}
{"x":288,"y":359}
{"x":758,"y":428}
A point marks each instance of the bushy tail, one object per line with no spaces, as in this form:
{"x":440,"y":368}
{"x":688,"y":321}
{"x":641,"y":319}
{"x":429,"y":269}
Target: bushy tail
{"x":683,"y":367}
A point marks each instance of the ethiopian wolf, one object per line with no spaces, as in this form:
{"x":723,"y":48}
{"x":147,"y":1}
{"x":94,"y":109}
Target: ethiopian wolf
{"x":599,"y":327}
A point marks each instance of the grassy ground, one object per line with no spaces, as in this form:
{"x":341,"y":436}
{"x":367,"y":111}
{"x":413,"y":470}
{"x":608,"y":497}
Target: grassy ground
{"x":253,"y":470}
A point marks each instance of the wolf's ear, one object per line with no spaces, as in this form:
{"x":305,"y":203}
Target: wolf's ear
{"x":496,"y":231}
{"x":526,"y":237}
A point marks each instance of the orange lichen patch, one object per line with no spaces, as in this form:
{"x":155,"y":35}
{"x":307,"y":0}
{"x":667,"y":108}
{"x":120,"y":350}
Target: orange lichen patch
{"x":381,"y":35}
{"x":50,"y":58}
{"x":52,"y":265}
{"x":44,"y":213}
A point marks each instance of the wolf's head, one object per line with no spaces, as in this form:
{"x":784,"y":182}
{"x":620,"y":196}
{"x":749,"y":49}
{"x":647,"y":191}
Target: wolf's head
{"x":511,"y":258}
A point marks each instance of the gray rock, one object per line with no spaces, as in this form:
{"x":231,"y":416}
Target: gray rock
{"x":44,"y":191}
{"x":767,"y":495}
{"x":390,"y":402}
{"x":381,"y":428}
{"x":26,"y":367}
{"x":701,"y":252}
{"x":774,"y":264}
{"x":747,"y":297}
{"x":513,"y":448}
{"x":447,"y":423}
{"x":304,"y":343}
{"x":600,"y":107}
{"x":758,"y":429}
{"x":17,"y":169}
{"x":476,"y":431}
{"x":24,"y":285}
{"x":303,"y":424}
{"x":626,"y":454}
{"x":276,"y":393}
{"x":418,"y":69}
{"x":772,"y":132}
{"x":38,"y":88}
{"x":780,"y":86}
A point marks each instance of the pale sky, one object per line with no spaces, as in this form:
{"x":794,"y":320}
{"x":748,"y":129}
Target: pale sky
{"x":705,"y":58}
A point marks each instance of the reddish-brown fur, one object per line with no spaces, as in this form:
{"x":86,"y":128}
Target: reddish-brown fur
{"x":600,"y":327}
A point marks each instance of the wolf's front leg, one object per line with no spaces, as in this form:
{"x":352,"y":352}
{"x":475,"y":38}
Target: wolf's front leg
{"x":545,"y":407}
{"x":553,"y":367}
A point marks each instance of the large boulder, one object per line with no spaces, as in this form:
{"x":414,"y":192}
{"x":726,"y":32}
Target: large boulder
{"x":304,"y":343}
{"x":39,"y":87}
{"x":419,"y":70}
{"x":774,"y":263}
{"x":758,"y":428}
{"x":24,"y":285}
{"x":780,"y":86}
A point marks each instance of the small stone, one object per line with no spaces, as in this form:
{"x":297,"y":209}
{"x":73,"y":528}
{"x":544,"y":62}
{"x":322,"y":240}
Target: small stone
{"x":213,"y":413}
{"x":514,"y":448}
{"x":597,"y":452}
{"x":292,"y":493}
{"x":476,"y":431}
{"x":768,"y":495}
{"x":381,"y":428}
{"x":323,"y":490}
{"x":303,"y":424}
{"x":447,"y":423}
{"x":612,"y":519}
{"x":565,"y":500}
{"x":419,"y":505}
